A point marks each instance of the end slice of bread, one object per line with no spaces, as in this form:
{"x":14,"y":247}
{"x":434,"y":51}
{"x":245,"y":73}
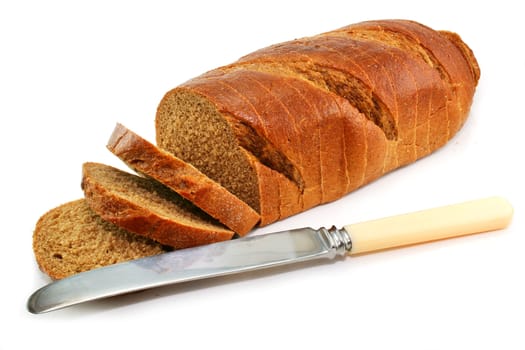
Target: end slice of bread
{"x":183,"y":178}
{"x":148,"y":208}
{"x":71,"y":238}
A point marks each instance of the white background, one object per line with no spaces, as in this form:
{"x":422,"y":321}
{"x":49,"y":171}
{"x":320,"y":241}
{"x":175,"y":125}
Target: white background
{"x":70,"y":70}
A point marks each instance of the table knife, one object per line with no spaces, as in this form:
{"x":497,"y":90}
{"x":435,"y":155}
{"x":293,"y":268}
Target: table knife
{"x":273,"y":249}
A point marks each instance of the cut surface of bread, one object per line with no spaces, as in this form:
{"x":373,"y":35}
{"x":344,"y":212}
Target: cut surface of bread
{"x":147,"y":159}
{"x":71,"y":238}
{"x":305,"y":122}
{"x":148,"y":208}
{"x":194,"y":130}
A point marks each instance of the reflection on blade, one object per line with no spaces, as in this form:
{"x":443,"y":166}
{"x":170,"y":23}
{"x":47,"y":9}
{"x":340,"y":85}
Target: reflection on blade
{"x":217,"y":259}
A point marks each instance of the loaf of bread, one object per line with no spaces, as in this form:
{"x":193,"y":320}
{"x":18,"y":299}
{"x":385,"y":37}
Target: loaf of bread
{"x":305,"y":122}
{"x":277,"y":132}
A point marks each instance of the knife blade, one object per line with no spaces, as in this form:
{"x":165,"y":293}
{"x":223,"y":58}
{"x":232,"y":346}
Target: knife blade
{"x":273,"y":249}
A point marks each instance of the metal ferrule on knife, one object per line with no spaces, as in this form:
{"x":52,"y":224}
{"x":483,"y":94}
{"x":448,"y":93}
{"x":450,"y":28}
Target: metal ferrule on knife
{"x":338,"y":241}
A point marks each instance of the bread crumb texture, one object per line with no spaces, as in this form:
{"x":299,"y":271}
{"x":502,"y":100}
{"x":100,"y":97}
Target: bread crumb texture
{"x":71,"y":238}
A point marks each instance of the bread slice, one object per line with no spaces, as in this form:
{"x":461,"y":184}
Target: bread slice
{"x":147,"y":159}
{"x":148,"y":208}
{"x":71,"y":238}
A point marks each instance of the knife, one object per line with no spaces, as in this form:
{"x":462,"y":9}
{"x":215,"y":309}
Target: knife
{"x":273,"y":249}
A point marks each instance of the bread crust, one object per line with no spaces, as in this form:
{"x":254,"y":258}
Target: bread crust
{"x":145,"y":158}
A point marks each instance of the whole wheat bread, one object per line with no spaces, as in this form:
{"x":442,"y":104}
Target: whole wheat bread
{"x":183,"y":178}
{"x":298,"y":124}
{"x":148,"y":208}
{"x":305,"y":122}
{"x":71,"y":238}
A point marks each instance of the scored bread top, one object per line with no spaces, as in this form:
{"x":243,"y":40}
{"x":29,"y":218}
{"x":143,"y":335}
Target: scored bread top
{"x":148,"y":208}
{"x":71,"y":238}
{"x":147,"y":159}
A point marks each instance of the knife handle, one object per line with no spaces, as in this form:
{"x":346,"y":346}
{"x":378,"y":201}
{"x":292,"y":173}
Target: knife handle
{"x":449,"y":221}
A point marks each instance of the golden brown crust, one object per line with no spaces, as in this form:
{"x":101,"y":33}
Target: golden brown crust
{"x":447,"y":53}
{"x":183,"y":178}
{"x":342,"y":108}
{"x":466,"y":51}
{"x":177,"y":223}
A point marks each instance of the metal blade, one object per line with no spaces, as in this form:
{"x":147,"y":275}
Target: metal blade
{"x":245,"y":254}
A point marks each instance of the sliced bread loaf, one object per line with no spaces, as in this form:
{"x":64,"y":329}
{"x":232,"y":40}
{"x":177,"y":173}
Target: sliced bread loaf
{"x":305,"y":122}
{"x":147,"y":159}
{"x":71,"y":238}
{"x":148,"y":208}
{"x":291,"y":126}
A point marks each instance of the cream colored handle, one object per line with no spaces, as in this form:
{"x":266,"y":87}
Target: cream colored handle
{"x":476,"y":216}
